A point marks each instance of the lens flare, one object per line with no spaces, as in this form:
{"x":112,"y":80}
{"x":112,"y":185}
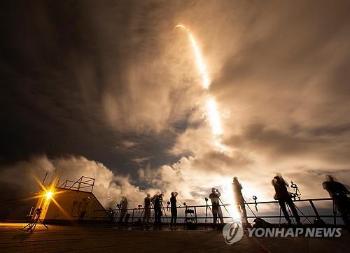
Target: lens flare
{"x":228,"y":197}
{"x":49,"y":195}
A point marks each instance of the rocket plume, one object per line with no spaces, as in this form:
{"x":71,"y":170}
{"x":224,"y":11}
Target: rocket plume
{"x":211,"y":107}
{"x":202,"y":68}
{"x":213,"y":115}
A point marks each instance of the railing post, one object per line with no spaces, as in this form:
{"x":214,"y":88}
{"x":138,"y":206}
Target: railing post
{"x":315,"y":210}
{"x":334,"y":213}
{"x":132,"y":216}
{"x":195,"y":213}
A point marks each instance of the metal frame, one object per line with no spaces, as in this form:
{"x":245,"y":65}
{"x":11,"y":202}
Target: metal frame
{"x":85,"y":184}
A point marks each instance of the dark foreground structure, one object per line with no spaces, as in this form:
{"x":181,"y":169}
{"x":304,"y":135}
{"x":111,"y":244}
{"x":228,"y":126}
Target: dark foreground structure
{"x":109,"y":239}
{"x":77,"y":222}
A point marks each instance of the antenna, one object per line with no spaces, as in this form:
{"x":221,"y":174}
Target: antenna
{"x":44,"y":179}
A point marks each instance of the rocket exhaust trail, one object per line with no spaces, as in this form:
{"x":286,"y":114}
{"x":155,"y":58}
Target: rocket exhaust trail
{"x":212,"y":112}
{"x":202,"y":69}
{"x":211,"y":107}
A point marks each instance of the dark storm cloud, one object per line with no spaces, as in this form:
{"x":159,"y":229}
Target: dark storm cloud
{"x":58,"y":61}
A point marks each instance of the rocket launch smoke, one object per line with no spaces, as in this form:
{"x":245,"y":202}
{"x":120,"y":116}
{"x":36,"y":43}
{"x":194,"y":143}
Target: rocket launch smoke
{"x":212,"y":114}
{"x":212,"y":111}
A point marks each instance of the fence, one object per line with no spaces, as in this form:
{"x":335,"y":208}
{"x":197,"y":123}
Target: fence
{"x":308,"y":209}
{"x":82,"y":184}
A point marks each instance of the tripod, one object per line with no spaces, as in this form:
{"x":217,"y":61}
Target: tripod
{"x":290,"y":213}
{"x":30,"y":227}
{"x":206,"y":209}
{"x":303,"y":215}
{"x":226,"y":209}
{"x":161,"y":204}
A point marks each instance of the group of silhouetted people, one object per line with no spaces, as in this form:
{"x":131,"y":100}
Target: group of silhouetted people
{"x":337,"y":191}
{"x":157,"y":202}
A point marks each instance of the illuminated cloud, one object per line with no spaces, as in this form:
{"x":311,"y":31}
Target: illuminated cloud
{"x":128,"y":95}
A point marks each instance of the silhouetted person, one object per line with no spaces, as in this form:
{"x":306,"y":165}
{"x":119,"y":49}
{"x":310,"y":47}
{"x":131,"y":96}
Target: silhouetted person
{"x":338,"y":193}
{"x":157,"y":204}
{"x":283,"y":197}
{"x":215,"y":205}
{"x":147,"y":206}
{"x":123,"y":208}
{"x":237,"y":189}
{"x":173,"y":208}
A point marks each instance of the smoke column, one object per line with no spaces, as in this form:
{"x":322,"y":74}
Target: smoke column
{"x":212,"y":112}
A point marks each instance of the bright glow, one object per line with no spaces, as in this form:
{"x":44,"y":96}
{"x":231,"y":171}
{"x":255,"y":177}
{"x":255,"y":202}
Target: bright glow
{"x":202,"y":69}
{"x":228,"y":198}
{"x":213,"y":116}
{"x":49,"y":195}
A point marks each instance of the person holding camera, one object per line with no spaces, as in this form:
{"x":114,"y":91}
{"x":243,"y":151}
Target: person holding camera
{"x":284,"y":198}
{"x":215,"y":205}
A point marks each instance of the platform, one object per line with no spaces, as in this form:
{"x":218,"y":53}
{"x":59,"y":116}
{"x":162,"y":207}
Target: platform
{"x":110,"y":239}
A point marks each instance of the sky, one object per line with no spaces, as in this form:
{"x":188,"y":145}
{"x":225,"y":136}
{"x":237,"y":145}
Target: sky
{"x":111,"y":89}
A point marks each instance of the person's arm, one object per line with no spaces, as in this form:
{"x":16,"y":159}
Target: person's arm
{"x":344,"y":189}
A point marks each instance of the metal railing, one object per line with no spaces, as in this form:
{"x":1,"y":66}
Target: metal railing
{"x":309,"y":211}
{"x":82,"y":184}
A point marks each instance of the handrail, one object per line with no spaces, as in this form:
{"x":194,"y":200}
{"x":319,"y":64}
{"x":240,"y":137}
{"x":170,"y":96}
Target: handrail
{"x":137,"y":213}
{"x":82,"y":182}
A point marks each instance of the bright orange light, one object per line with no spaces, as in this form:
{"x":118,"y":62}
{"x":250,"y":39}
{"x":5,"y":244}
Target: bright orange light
{"x":49,"y":195}
{"x":213,"y":116}
{"x":228,"y":197}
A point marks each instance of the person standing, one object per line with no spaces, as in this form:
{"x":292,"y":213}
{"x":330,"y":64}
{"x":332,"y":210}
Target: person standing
{"x":173,"y":208}
{"x":147,"y":206}
{"x":157,"y":205}
{"x":123,"y":208}
{"x":338,"y":192}
{"x":237,"y":190}
{"x":283,"y":197}
{"x":215,"y":205}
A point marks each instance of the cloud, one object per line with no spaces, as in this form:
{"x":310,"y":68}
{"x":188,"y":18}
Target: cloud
{"x":109,"y":186}
{"x":115,"y":82}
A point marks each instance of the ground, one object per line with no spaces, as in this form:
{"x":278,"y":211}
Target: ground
{"x":109,"y":239}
